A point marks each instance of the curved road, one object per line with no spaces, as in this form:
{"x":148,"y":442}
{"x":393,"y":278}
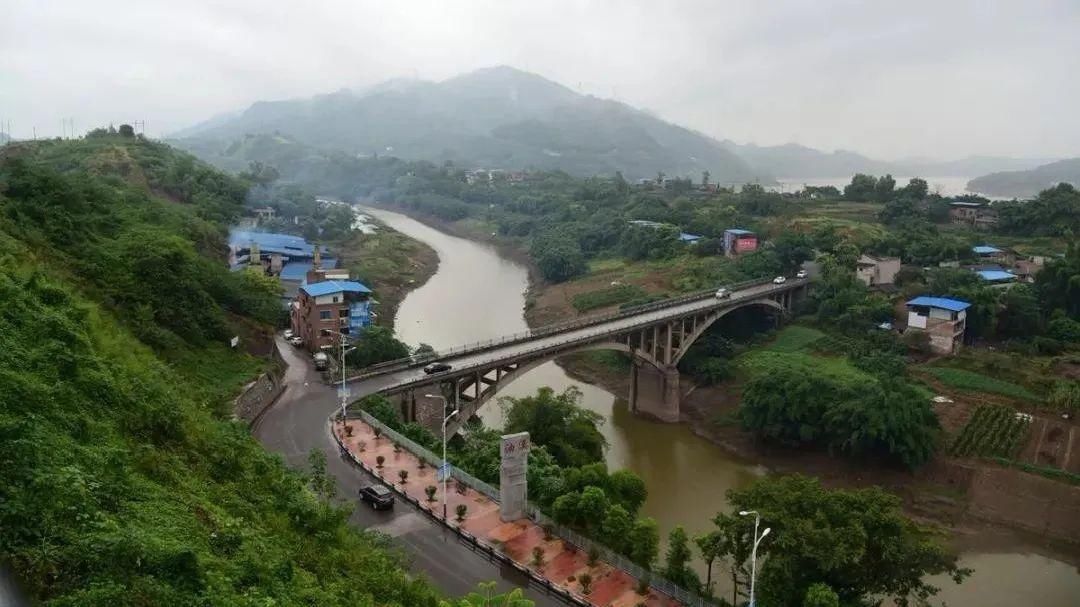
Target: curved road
{"x":297,"y":423}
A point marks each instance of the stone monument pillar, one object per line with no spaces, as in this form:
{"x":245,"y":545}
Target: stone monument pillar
{"x":513,"y":486}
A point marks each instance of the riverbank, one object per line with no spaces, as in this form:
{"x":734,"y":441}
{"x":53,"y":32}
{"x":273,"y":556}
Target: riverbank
{"x":391,"y":263}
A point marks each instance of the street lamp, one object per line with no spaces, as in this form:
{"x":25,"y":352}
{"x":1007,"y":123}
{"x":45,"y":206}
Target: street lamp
{"x":443,"y":468}
{"x":753,"y":552}
{"x":342,"y":362}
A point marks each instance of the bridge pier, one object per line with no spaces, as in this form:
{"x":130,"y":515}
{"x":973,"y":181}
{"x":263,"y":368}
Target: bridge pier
{"x":633,"y":385}
{"x":669,"y":410}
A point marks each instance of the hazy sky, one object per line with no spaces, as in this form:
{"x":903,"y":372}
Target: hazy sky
{"x":940,"y":78}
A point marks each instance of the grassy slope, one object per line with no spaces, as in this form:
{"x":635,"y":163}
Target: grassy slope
{"x":121,"y":483}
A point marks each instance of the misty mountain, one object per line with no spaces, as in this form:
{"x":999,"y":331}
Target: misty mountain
{"x":497,"y":117}
{"x":1026,"y":184}
{"x":794,"y":161}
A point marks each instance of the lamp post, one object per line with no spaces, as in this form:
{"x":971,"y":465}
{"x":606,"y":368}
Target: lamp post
{"x":443,"y":468}
{"x":753,"y":551}
{"x":341,"y":337}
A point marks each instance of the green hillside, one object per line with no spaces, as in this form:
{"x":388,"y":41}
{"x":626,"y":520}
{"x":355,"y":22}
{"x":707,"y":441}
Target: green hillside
{"x":122,"y":481}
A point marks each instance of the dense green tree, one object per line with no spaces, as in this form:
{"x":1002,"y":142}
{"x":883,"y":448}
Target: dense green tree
{"x":820,"y":595}
{"x":375,"y":345}
{"x":1054,"y":212}
{"x":1058,"y":284}
{"x":558,"y":256}
{"x":1019,"y":316}
{"x":793,"y":248}
{"x":711,"y":545}
{"x":616,"y":527}
{"x":644,"y":542}
{"x":916,"y":189}
{"x":862,"y":188}
{"x":558,"y":422}
{"x":858,"y":542}
{"x":677,"y":561}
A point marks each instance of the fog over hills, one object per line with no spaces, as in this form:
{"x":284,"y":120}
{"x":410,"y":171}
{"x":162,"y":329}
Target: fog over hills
{"x":502,"y":117}
{"x":1025,"y":184}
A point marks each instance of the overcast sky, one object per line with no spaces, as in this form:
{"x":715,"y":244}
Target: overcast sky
{"x":941,"y":78}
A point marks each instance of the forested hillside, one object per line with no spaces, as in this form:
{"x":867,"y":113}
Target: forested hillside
{"x":495,"y":118}
{"x":1025,"y":184}
{"x":122,"y":480}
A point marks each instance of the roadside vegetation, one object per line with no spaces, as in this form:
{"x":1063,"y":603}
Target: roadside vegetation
{"x":122,"y":479}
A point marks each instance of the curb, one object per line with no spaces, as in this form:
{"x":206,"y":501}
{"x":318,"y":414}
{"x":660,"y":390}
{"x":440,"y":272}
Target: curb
{"x":532,"y":575}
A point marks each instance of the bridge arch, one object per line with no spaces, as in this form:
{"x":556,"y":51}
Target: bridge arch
{"x":716,"y":315}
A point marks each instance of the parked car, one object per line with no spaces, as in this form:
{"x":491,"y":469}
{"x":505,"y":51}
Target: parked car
{"x":801,"y":274}
{"x":437,"y":367}
{"x":723,"y":293}
{"x":296,"y":340}
{"x":378,"y":496}
{"x":321,"y":361}
{"x":779,"y":280}
{"x":287,"y":334}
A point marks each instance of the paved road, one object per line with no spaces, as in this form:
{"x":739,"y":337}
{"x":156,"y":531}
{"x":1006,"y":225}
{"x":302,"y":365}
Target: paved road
{"x":297,"y":423}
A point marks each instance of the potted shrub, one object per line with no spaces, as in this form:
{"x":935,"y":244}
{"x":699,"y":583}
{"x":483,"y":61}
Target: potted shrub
{"x":430,"y":491}
{"x":348,"y":430}
{"x":361,"y":446}
{"x":643,"y":586}
{"x":586,"y":583}
{"x":397,"y":448}
{"x":379,"y":461}
{"x":378,"y":432}
{"x":403,"y":475}
{"x":538,"y":557}
{"x":460,"y":511}
{"x":594,"y":556}
{"x":422,"y":464}
{"x":549,"y":532}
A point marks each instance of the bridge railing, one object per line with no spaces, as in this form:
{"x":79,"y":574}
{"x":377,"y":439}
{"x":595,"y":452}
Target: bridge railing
{"x":549,"y":348}
{"x":479,"y":346}
{"x":567,"y":534}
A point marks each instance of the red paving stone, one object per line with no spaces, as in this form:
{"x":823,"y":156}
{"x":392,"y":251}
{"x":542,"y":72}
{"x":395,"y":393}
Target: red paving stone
{"x":516,"y":539}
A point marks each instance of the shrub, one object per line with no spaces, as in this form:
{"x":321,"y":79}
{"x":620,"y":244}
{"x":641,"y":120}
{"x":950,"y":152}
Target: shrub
{"x":403,"y":475}
{"x":586,"y":583}
{"x":379,"y":460}
{"x":538,"y":557}
{"x":430,"y":490}
{"x":594,"y":556}
{"x":460,"y":511}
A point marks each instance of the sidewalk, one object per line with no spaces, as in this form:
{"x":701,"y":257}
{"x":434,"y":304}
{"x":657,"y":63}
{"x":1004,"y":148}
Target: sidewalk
{"x":563,"y":564}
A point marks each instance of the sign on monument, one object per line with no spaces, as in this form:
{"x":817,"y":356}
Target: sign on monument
{"x":513,"y":469}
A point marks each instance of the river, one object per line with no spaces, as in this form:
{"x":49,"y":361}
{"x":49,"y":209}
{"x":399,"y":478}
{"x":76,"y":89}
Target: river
{"x":477,"y":294}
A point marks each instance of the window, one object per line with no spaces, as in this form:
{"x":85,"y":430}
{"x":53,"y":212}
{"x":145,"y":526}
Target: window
{"x":335,"y":299}
{"x":324,"y":315}
{"x":343,"y":313}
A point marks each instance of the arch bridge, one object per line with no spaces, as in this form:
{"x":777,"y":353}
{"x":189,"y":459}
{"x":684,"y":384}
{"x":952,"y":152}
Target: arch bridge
{"x":656,"y":337}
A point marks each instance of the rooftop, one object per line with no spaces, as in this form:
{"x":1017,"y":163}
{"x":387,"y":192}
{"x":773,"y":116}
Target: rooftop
{"x":738,"y":231}
{"x":985,"y":249}
{"x":270,"y":242}
{"x":953,"y":305}
{"x":966,"y":204}
{"x":327,"y":287}
{"x":683,"y":236}
{"x":996,"y":275}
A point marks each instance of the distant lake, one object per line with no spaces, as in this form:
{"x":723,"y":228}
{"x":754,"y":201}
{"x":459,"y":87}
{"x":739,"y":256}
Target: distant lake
{"x":951,"y":185}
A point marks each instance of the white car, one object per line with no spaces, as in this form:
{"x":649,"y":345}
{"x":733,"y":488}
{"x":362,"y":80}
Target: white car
{"x":779,"y":280}
{"x":288,"y":334}
{"x":801,"y":274}
{"x":723,"y":293}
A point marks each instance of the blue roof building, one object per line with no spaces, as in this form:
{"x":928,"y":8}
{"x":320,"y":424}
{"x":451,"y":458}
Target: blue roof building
{"x":998,"y":276}
{"x":327,"y":287}
{"x":942,"y":318}
{"x":953,"y":305}
{"x":690,"y":238}
{"x":986,"y":250}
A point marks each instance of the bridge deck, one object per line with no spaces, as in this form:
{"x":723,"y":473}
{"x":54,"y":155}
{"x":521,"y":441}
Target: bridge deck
{"x":467,"y":363}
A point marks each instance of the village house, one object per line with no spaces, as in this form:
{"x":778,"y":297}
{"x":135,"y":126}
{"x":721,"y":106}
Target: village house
{"x":875,"y":271}
{"x":943,"y":319}
{"x":738,"y":241}
{"x":975,"y":214}
{"x":324,"y":312}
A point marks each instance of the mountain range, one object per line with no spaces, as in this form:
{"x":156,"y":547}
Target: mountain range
{"x":502,"y":117}
{"x":1025,"y":184}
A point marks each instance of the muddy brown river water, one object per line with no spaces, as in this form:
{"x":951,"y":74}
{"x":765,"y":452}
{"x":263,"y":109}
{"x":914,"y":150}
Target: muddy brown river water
{"x":477,"y":294}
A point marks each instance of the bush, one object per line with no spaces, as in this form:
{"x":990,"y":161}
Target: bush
{"x":583,"y":302}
